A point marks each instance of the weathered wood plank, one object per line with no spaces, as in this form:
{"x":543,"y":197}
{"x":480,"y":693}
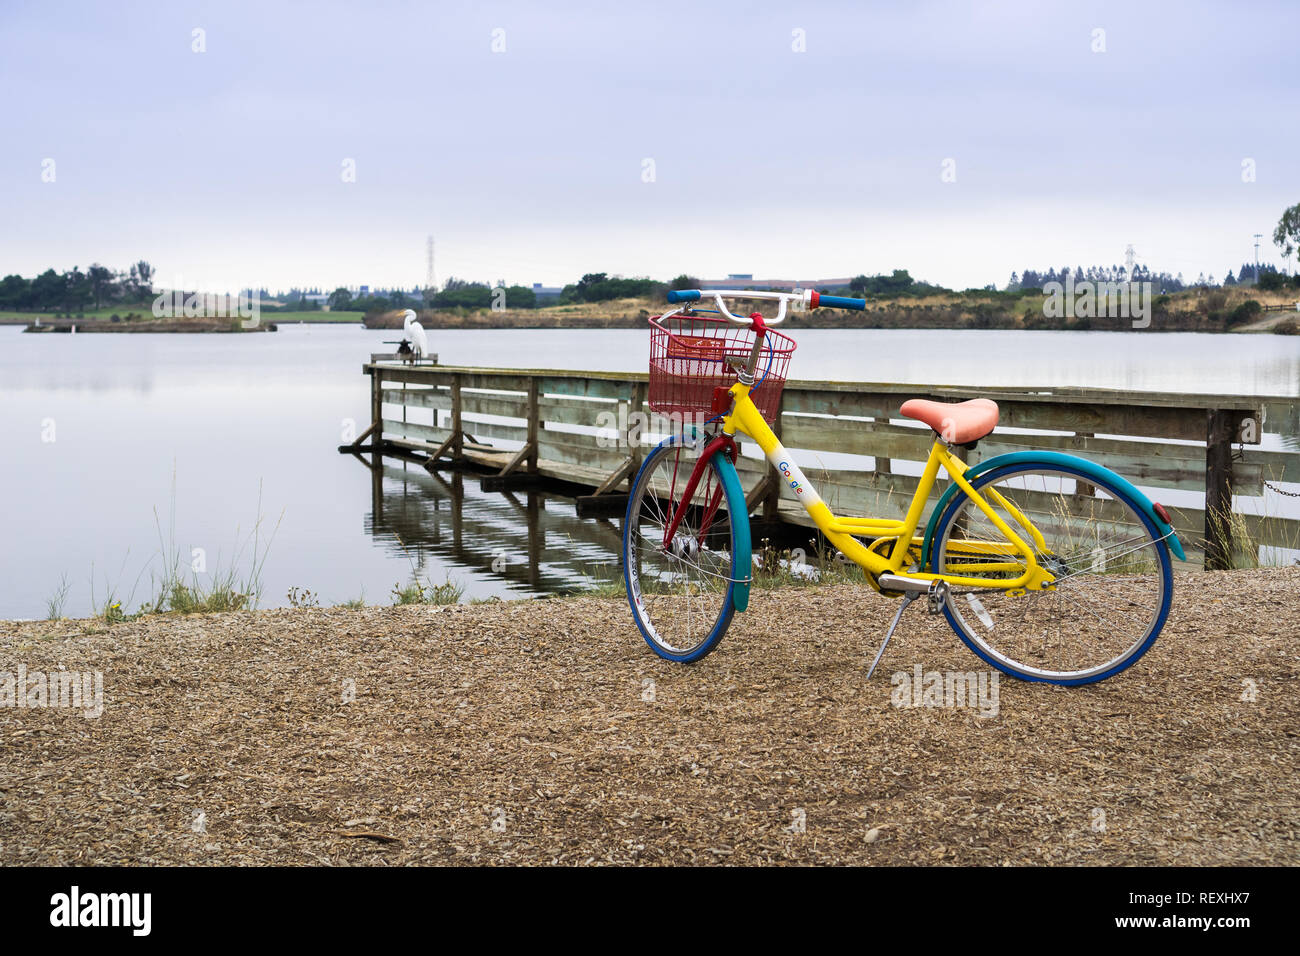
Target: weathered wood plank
{"x":571,"y":471}
{"x":590,"y":387}
{"x":429,"y":448}
{"x":575,"y":411}
{"x":1272,"y":465}
{"x":482,"y":430}
{"x":507,"y":380}
{"x":833,"y":416}
{"x":856,"y":437}
{"x":589,"y":456}
{"x":414,"y":430}
{"x":1025,"y":410}
{"x":494,"y":403}
{"x":418,"y":397}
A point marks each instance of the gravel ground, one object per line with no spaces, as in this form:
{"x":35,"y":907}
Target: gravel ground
{"x":546,"y":732}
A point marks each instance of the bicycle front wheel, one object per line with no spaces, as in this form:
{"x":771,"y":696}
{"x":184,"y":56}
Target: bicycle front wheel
{"x":1114,"y":577}
{"x":680,"y":586}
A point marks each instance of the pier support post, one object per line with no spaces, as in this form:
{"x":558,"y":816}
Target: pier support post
{"x":772,"y":497}
{"x":376,"y":428}
{"x":457,"y":431}
{"x":1219,"y":433}
{"x":884,"y":466}
{"x":637,"y":405}
{"x":534,"y":423}
{"x":1083,"y":489}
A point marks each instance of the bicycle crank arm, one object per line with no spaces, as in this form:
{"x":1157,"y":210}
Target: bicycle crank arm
{"x":935,"y":591}
{"x":896,"y":582}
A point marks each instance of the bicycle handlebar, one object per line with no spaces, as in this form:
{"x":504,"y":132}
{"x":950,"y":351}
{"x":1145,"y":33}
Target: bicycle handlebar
{"x":802,"y":300}
{"x":838,"y":302}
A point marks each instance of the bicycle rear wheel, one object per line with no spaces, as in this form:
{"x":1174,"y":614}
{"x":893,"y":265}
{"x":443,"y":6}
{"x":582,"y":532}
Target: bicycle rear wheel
{"x":681,"y":589}
{"x":1114,"y":577}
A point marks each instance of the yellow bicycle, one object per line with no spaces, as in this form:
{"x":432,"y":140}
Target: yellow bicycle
{"x":1048,"y":566}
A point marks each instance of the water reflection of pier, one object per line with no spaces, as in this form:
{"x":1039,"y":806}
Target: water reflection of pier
{"x":528,"y":539}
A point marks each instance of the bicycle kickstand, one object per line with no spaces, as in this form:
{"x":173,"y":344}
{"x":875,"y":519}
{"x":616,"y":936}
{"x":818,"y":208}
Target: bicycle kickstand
{"x":908,"y":598}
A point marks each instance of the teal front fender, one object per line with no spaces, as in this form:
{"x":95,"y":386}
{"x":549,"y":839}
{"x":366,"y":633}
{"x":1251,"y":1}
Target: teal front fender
{"x":743,"y":559}
{"x":1049,"y":459}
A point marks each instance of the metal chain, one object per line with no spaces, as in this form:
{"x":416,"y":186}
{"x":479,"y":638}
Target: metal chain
{"x":1274,"y":488}
{"x":1241,"y":456}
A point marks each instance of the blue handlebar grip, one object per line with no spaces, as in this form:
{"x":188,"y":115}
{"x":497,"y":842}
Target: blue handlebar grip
{"x":683,"y":295}
{"x":840,"y":302}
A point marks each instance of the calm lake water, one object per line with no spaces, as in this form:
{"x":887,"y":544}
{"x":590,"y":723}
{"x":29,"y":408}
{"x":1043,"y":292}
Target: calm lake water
{"x":95,"y":428}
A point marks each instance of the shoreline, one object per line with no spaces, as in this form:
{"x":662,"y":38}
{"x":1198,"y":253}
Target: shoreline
{"x":167,"y":327}
{"x":546,"y":732}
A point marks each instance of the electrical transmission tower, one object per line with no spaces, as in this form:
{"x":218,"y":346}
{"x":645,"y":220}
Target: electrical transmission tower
{"x":429,"y":287}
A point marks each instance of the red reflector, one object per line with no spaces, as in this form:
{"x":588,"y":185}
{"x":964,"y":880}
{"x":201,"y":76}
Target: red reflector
{"x":721,"y":400}
{"x":1159,"y":509}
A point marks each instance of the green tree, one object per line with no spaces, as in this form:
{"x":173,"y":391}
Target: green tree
{"x":897,"y":283}
{"x":15,"y":292}
{"x":1287,"y":234}
{"x":77,"y":290}
{"x":1270,"y":280}
{"x":48,"y":290}
{"x":101,"y":282}
{"x":377,"y":303}
{"x":599,"y":287}
{"x":144,"y":271}
{"x":520,"y":297}
{"x":460,"y":294}
{"x":138,"y":284}
{"x":340,"y":300}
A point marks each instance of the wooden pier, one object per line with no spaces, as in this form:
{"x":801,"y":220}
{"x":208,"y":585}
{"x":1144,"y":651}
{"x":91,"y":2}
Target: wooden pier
{"x":529,"y":427}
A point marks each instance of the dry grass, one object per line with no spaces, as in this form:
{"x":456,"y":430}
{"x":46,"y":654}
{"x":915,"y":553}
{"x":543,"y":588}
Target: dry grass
{"x":521,"y":732}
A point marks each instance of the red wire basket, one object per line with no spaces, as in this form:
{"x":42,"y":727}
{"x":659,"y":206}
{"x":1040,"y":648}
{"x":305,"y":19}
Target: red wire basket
{"x":689,"y":359}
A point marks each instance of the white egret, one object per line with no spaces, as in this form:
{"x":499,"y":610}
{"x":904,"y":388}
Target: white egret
{"x":415,"y":331}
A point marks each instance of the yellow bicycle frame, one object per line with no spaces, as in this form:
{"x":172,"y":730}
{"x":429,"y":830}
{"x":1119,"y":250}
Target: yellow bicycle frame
{"x":843,"y":532}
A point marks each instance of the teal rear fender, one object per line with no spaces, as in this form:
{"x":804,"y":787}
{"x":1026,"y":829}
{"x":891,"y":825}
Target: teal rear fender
{"x":743,"y":559}
{"x":1049,"y":459}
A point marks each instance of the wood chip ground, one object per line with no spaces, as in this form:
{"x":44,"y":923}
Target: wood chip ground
{"x":540,"y":732}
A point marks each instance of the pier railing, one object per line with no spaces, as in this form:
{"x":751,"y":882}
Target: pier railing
{"x":591,"y":430}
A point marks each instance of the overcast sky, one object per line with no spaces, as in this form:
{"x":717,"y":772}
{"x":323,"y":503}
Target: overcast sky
{"x":227,"y":167}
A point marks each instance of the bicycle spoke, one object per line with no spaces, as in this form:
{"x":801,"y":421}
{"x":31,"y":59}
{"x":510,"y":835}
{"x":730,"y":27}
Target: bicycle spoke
{"x":683,"y":583}
{"x":1108,"y":587}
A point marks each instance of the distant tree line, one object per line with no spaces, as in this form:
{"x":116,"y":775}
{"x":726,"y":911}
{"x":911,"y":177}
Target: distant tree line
{"x":897,"y":283}
{"x":1034,"y":279}
{"x":1263,"y":275}
{"x":462,"y":294}
{"x":75,"y":291}
{"x":465,"y":294}
{"x":1162,"y":282}
{"x":1270,"y":279}
{"x":601,"y":287}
